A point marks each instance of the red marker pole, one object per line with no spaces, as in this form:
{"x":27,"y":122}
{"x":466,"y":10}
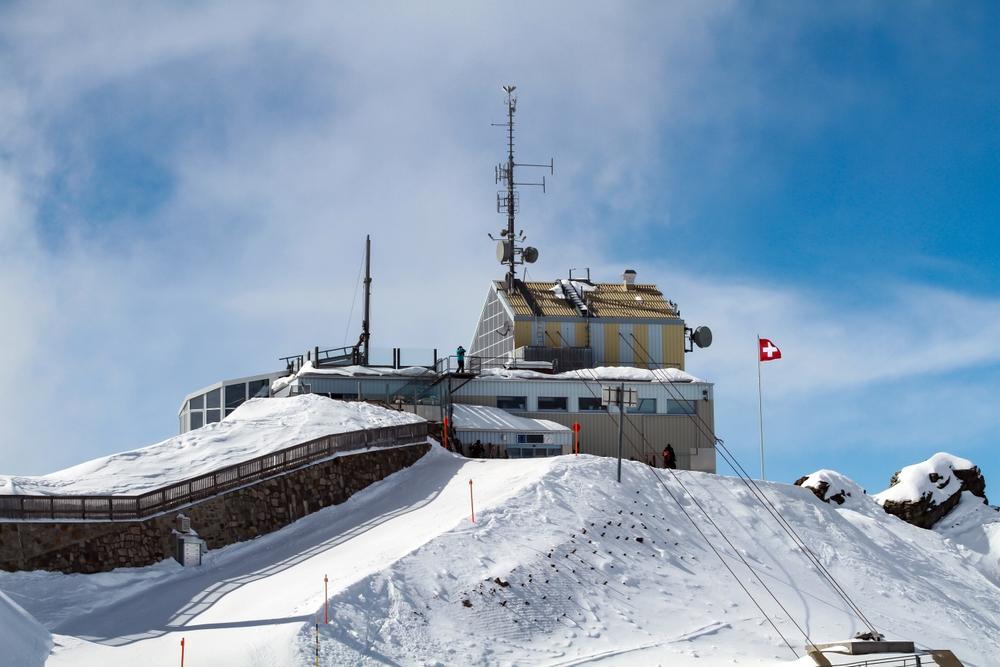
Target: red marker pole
{"x":182,"y":652}
{"x":472,"y":507}
{"x":444,"y":432}
{"x":326,"y":602}
{"x":576,"y":438}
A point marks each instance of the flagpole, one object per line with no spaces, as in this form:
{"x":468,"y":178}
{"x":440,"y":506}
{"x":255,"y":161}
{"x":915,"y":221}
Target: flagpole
{"x":760,"y":411}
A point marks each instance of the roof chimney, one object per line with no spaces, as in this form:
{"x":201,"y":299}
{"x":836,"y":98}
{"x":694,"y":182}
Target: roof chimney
{"x":629,"y":278}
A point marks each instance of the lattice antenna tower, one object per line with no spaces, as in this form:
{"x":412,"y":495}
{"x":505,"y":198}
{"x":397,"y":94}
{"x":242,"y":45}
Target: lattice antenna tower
{"x":509,"y":249}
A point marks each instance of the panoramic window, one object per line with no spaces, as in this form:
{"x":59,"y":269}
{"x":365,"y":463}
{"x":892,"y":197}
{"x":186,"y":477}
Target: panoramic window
{"x":212,"y":416}
{"x":196,"y":418}
{"x":212,"y":398}
{"x":235,"y":395}
{"x":552,"y":403}
{"x":675,"y":407}
{"x":197,"y":403}
{"x":259,"y":388}
{"x":590,"y":403}
{"x":512,"y":402}
{"x":647,"y":406}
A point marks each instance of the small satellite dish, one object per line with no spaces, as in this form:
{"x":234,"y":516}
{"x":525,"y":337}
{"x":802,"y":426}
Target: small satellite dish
{"x":702,"y":336}
{"x":530,"y":255}
{"x":505,"y":250}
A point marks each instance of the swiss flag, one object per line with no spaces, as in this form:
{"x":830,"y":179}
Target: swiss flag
{"x":768,"y":350}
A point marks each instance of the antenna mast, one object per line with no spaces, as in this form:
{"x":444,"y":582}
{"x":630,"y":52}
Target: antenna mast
{"x":366,"y":332}
{"x":508,"y":250}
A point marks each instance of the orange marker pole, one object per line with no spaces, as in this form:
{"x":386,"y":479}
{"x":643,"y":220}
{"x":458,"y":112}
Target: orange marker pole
{"x":472,"y":507}
{"x":326,"y":601}
{"x":445,"y":432}
{"x":182,"y":652}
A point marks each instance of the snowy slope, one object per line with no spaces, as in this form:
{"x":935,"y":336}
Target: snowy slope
{"x":403,"y":559}
{"x":23,"y":641}
{"x":259,"y":426}
{"x":556,"y":576}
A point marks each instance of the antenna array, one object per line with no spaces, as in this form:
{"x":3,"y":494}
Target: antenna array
{"x":509,"y":250}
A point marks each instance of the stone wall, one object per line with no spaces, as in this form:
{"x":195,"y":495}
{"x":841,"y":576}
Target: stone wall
{"x":241,"y":514}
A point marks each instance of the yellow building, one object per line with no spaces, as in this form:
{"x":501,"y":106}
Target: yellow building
{"x":580,"y":324}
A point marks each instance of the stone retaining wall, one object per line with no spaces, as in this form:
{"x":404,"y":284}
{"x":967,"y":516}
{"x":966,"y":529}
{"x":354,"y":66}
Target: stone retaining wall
{"x":241,"y":514}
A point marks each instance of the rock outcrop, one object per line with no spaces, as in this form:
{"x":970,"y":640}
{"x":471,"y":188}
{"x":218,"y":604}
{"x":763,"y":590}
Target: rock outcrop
{"x":924,"y":493}
{"x":830,"y":486}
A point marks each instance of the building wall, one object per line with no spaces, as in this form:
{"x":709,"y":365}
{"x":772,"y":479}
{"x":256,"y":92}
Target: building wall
{"x":241,"y":514}
{"x":643,"y":433}
{"x":655,"y":344}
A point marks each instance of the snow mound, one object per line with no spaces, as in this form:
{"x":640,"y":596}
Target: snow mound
{"x":23,"y":640}
{"x":259,"y":426}
{"x":831,"y":486}
{"x":933,"y":479}
{"x":577,"y":570}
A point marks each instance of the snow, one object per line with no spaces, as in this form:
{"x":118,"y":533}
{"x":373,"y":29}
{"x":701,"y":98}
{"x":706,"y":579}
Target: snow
{"x":581,"y":288}
{"x":552,"y":572}
{"x":836,"y":484}
{"x":486,"y":418}
{"x":601,"y":373}
{"x":914,"y":480}
{"x":23,"y":640}
{"x":259,"y":426}
{"x":349,"y":371}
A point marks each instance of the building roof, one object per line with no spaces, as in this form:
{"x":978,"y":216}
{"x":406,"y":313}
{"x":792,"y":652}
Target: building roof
{"x":486,"y":418}
{"x":608,"y":300}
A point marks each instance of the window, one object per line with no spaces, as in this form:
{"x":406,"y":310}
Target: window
{"x":196,"y":418}
{"x":236,"y":394}
{"x":552,"y":403}
{"x":675,"y":407}
{"x":590,"y":403}
{"x":512,"y":402}
{"x":647,"y":406}
{"x":197,"y":403}
{"x":212,"y":398}
{"x":259,"y":388}
{"x":530,"y":438}
{"x":211,"y":416}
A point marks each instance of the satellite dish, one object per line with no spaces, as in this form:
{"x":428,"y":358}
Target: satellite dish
{"x":505,"y":250}
{"x":702,"y":336}
{"x":530,"y":255}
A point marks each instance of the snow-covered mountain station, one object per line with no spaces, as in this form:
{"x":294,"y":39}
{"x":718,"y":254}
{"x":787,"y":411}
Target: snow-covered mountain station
{"x":511,"y":505}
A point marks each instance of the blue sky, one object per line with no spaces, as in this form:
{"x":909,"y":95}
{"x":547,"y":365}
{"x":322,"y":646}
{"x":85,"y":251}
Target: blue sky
{"x":184,"y":193}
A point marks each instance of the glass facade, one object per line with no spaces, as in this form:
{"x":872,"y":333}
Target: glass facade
{"x":494,"y":338}
{"x":214,"y":404}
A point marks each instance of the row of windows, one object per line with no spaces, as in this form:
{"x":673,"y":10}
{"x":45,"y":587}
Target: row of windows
{"x":208,"y":409}
{"x":647,"y":406}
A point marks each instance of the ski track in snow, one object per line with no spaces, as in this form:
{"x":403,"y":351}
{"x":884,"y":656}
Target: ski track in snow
{"x":562,"y":567}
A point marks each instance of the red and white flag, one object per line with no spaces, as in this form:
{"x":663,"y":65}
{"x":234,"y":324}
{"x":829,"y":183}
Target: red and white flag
{"x":768,"y":350}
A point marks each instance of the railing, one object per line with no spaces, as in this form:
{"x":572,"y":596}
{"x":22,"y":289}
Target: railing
{"x":107,"y":508}
{"x":922,"y":659}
